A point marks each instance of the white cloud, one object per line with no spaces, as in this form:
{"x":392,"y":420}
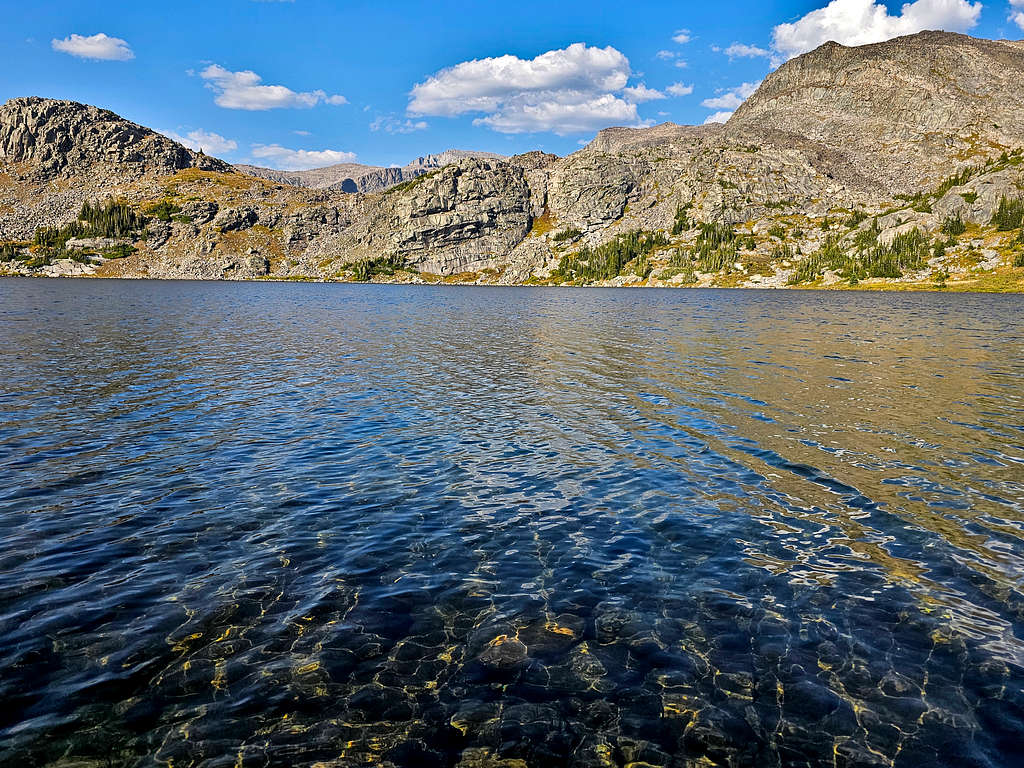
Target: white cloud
{"x":285,"y":159}
{"x":744,"y":51}
{"x":681,"y":36}
{"x":732,"y":98}
{"x":564,"y":118}
{"x":97,"y":47}
{"x":302,"y":133}
{"x":1017,"y":17}
{"x":666,"y":55}
{"x":678,"y":89}
{"x":718,"y":117}
{"x":859,"y":22}
{"x":209,"y":142}
{"x":390,"y":124}
{"x":641,"y":93}
{"x":571,"y":90}
{"x":681,"y":63}
{"x":244,"y":90}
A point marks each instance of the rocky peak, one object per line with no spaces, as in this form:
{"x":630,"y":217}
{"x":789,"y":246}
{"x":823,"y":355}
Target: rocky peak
{"x":64,"y":138}
{"x":906,"y":109}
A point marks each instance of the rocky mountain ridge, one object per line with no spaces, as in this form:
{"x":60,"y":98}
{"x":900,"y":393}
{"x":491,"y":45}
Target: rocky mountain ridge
{"x":354,"y":177}
{"x":893,"y":164}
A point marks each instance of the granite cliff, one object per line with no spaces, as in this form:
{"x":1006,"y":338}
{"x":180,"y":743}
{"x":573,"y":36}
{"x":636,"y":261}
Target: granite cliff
{"x":896,"y":163}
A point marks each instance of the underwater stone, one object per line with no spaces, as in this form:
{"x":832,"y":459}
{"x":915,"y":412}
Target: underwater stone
{"x":504,"y":652}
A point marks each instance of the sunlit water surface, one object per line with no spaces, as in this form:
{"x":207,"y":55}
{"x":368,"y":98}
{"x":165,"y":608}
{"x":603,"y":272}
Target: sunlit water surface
{"x":282,"y":524}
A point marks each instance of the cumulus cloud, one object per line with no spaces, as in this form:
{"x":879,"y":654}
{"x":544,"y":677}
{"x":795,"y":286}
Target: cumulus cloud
{"x":743,"y":51}
{"x":96,"y":47}
{"x":718,"y":117}
{"x":285,"y":159}
{"x":732,"y":98}
{"x":1017,"y":16}
{"x":681,"y":36}
{"x":209,"y":142}
{"x":570,"y":90}
{"x":678,"y":89}
{"x":859,"y":22}
{"x":563,"y":118}
{"x":245,"y":90}
{"x":641,"y":93}
{"x":391,"y":124}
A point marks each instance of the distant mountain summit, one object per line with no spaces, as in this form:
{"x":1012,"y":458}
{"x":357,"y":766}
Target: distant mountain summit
{"x":902,"y":110}
{"x":354,"y":177}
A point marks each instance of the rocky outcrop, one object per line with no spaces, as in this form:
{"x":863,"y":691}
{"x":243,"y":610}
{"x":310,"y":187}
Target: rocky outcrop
{"x":905,"y":110}
{"x":51,"y":138}
{"x":463,"y":217}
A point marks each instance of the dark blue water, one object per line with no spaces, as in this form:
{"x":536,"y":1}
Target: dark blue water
{"x":287,"y":525}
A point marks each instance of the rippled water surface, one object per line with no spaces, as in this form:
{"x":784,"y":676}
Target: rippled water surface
{"x":286,"y":525}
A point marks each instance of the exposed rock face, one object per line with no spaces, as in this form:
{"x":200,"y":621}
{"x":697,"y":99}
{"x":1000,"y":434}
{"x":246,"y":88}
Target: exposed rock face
{"x":465,"y":216}
{"x":906,"y":109}
{"x":59,"y":137}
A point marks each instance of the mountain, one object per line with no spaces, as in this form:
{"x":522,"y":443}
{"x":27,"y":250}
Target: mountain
{"x":901,"y":162}
{"x":63,"y":137}
{"x":353,"y":177}
{"x":906,"y":109}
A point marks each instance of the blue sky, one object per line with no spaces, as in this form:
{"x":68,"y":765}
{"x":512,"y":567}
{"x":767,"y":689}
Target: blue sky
{"x":305,"y":83}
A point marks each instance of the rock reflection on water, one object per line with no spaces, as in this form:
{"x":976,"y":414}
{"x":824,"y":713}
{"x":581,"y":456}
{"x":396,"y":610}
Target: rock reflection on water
{"x":289,"y":525}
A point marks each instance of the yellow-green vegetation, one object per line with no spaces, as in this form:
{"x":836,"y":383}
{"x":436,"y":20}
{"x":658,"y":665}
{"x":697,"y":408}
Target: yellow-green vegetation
{"x":543,"y":224}
{"x":855,"y":218}
{"x":265,"y":240}
{"x":681,"y":222}
{"x":365,"y":270}
{"x":461,"y":277}
{"x":689,"y":277}
{"x":1002,"y":280}
{"x":570,"y":233}
{"x":163,"y":210}
{"x":232,"y":180}
{"x":953,"y":226}
{"x":13,"y":250}
{"x":608,"y":260}
{"x":1017,"y":245}
{"x":112,"y":218}
{"x":1009,"y":215}
{"x":909,"y":250}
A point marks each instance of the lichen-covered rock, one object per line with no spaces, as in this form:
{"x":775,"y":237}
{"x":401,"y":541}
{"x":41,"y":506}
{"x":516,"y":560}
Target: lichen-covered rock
{"x":590,"y":190}
{"x":906,"y":109}
{"x":466,"y":216}
{"x":54,"y":137}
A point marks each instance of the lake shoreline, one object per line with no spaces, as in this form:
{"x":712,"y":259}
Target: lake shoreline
{"x":992,"y":283}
